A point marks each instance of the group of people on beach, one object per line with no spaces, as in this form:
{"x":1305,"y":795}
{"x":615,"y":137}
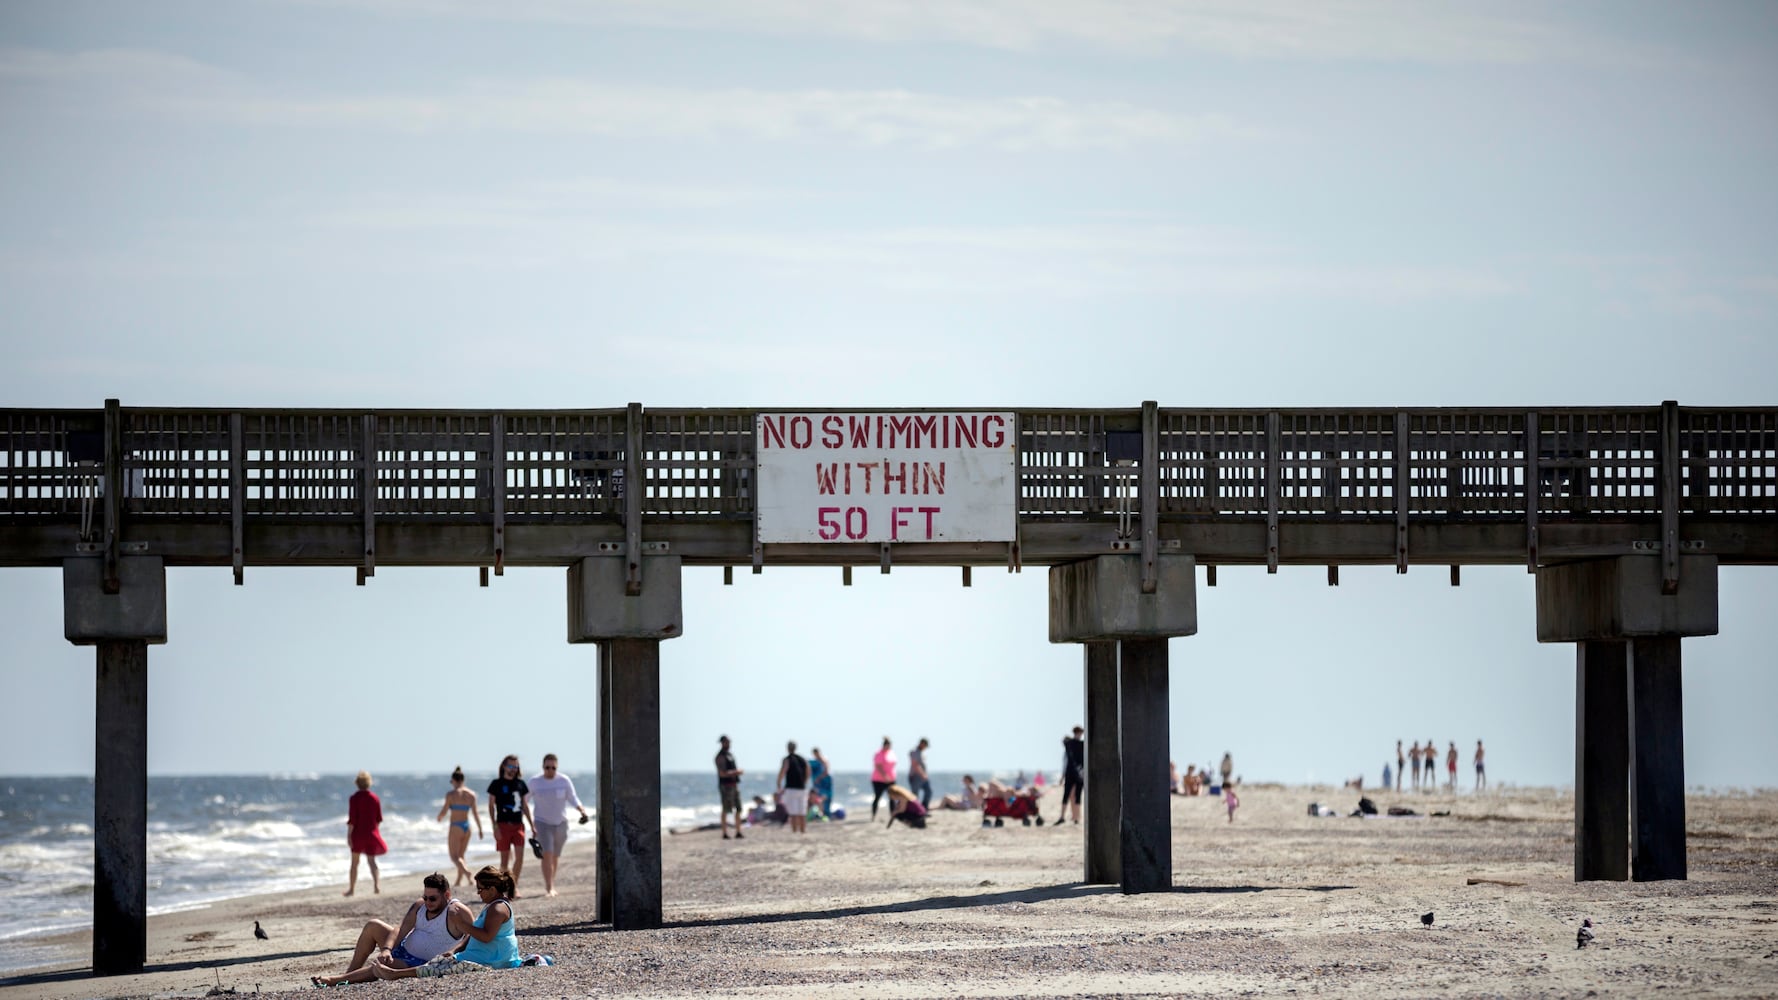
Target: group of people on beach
{"x":1196,"y":782}
{"x":1421,"y":766}
{"x":804,"y":788}
{"x":804,"y":791}
{"x":541,"y":802}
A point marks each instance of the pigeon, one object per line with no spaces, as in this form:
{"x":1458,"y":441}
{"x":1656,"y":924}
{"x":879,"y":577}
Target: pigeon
{"x":259,"y":932}
{"x":1426,"y":920}
{"x":1584,"y":936}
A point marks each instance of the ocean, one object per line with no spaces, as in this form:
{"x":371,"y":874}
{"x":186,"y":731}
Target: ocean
{"x":224,"y":836}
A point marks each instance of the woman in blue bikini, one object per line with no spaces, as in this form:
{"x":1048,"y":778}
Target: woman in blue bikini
{"x":459,"y":804}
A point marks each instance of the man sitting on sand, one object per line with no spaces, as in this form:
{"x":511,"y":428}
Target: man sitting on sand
{"x":432,"y":926}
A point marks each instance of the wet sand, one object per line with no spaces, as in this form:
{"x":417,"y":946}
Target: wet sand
{"x":1275,"y":903}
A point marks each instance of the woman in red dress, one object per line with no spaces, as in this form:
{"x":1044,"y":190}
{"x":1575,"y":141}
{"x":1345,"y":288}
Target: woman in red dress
{"x":364,"y":812}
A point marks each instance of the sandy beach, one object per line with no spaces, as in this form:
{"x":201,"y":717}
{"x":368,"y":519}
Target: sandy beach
{"x":1275,"y":903}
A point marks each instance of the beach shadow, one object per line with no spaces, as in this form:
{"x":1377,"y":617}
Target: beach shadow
{"x":1261,"y":888}
{"x":86,"y":972}
{"x":1071,"y":890}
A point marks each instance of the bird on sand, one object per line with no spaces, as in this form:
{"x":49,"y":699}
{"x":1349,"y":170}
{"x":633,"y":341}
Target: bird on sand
{"x":1426,"y":920}
{"x":1584,"y":936}
{"x":259,"y":932}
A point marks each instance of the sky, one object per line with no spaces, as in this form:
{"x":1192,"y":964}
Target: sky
{"x":979,"y":204}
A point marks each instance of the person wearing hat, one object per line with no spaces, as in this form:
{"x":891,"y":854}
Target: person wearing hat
{"x":728,"y":782}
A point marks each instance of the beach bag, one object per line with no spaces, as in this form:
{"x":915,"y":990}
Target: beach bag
{"x":1367,"y":807}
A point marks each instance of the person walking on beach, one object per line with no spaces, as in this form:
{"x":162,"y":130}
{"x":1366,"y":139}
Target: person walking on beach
{"x":459,"y":804}
{"x":1481,"y":776}
{"x":431,"y":927}
{"x":364,"y":813}
{"x":1074,"y":762}
{"x":489,"y":942}
{"x":509,"y":809}
{"x":793,"y":787}
{"x":882,"y":775}
{"x":1228,"y":767}
{"x":1429,"y":760}
{"x":1414,"y":761}
{"x":1451,"y":767}
{"x":1229,"y":798}
{"x":552,"y":793}
{"x":1401,"y":764}
{"x":821,"y":773}
{"x":728,"y":785}
{"x":918,"y":782}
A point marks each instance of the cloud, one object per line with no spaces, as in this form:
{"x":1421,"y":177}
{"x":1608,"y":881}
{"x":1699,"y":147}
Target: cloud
{"x":1331,"y":30}
{"x":873,"y":118}
{"x":152,"y":82}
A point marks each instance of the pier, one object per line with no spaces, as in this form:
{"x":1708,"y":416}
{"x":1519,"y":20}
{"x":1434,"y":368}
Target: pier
{"x":1624,"y":515}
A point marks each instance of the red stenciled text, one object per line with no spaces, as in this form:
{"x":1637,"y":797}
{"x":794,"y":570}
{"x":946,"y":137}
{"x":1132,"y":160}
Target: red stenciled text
{"x":906,"y":524}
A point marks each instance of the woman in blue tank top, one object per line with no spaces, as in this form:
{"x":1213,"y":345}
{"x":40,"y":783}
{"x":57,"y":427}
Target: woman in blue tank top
{"x":493,"y":938}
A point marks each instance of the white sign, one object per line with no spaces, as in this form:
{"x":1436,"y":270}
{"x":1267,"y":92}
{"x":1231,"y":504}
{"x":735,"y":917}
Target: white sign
{"x":887,"y":477}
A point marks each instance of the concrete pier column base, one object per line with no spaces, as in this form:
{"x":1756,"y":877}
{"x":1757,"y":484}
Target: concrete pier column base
{"x":1657,"y":761}
{"x":1104,"y":802}
{"x":1145,"y":832}
{"x":1601,"y":762}
{"x":635,"y":725}
{"x":120,"y":810}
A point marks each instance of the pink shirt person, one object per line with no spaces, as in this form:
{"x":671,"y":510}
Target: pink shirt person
{"x":1228,"y":797}
{"x":883,"y":766}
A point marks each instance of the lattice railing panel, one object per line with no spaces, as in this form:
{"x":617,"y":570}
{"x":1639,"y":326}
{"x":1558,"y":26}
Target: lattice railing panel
{"x":1730,"y":458}
{"x":1063,"y":467}
{"x":176,"y":462}
{"x":1336,"y":463}
{"x":1466,"y":462}
{"x":40,"y":475}
{"x":1600,"y":461}
{"x":698,"y":463}
{"x":306,"y":464}
{"x":1212,"y":463}
{"x":435,"y":464}
{"x":565,"y":463}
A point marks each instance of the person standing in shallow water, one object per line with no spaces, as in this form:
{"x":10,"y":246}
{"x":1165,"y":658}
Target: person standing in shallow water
{"x":364,"y":813}
{"x":459,"y":805}
{"x":882,"y":775}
